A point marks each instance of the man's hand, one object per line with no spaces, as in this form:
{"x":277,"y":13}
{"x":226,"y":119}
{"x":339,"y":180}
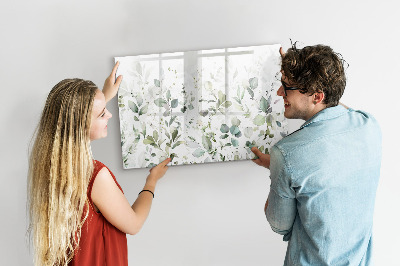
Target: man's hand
{"x":111,"y":85}
{"x":263,"y":159}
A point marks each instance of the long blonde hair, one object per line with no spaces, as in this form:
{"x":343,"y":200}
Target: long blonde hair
{"x":60,"y":167}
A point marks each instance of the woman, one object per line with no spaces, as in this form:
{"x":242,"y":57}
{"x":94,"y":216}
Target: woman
{"x":78,"y":212}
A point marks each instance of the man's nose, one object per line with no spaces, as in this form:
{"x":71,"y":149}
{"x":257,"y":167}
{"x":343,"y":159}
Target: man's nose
{"x":280,"y":91}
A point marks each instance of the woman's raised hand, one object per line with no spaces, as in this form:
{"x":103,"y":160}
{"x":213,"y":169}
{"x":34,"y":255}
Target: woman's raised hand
{"x":158,"y":171}
{"x":111,"y":85}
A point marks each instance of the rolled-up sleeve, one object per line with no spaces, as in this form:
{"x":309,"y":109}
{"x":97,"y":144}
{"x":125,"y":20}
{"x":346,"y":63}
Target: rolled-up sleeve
{"x":281,"y":210}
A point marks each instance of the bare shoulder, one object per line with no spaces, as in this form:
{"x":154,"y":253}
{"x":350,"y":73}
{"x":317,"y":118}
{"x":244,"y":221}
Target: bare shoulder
{"x":103,"y":185}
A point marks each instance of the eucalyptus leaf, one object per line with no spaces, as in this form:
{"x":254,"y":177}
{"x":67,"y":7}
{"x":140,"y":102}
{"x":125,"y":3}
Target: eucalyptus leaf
{"x":234,"y":142}
{"x":160,"y":102}
{"x":148,"y":141}
{"x":135,"y":118}
{"x":157,"y":83}
{"x":253,"y":83}
{"x":139,"y":100}
{"x":248,"y":132}
{"x":269,"y":119}
{"x":221,"y":97}
{"x":206,"y":143}
{"x":155,"y":135}
{"x":234,"y":130}
{"x":235,"y":121}
{"x":177,"y":144}
{"x":259,"y":120}
{"x":263,"y":104}
{"x":239,"y":134}
{"x":191,"y":107}
{"x":174,"y":103}
{"x":278,"y":124}
{"x":168,"y":95}
{"x":203,"y":112}
{"x":224,"y":128}
{"x":198,"y":153}
{"x":144,"y":109}
{"x":227,"y":104}
{"x":174,"y":134}
{"x":224,"y":136}
{"x":172,"y":119}
{"x":250,"y":92}
{"x":133,"y":106}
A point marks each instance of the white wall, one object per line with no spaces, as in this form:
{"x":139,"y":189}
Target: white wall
{"x":207,"y":214}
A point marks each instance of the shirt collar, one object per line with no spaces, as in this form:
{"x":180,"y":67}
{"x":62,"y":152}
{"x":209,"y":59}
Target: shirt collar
{"x":326,"y":114}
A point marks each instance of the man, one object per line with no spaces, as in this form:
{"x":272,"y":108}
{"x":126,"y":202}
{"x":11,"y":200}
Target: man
{"x":323,"y":176}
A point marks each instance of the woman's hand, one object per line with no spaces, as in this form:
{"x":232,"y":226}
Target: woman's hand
{"x":263,"y":159}
{"x":158,"y":171}
{"x":111,"y":85}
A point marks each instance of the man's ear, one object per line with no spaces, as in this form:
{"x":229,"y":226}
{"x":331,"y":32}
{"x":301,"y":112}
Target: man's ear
{"x":318,"y":97}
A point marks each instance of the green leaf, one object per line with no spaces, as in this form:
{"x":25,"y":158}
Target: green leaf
{"x":177,"y":144}
{"x":263,"y":104}
{"x":148,"y":141}
{"x":253,"y":83}
{"x":227,"y":104}
{"x":235,"y":142}
{"x":269,"y":119}
{"x":198,"y":153}
{"x":203,"y":113}
{"x":172,"y":119}
{"x":139,"y":100}
{"x":248,"y":132}
{"x":224,"y":128}
{"x":168,"y":95}
{"x":174,"y":134}
{"x":191,"y":107}
{"x":160,"y":102}
{"x":278,"y":124}
{"x":259,"y":120}
{"x":157,"y":83}
{"x":239,"y":134}
{"x":235,"y":121}
{"x":144,"y":109}
{"x":174,"y":103}
{"x":224,"y":136}
{"x":250,"y":92}
{"x":221,"y":97}
{"x":206,"y":143}
{"x":234,"y":130}
{"x":135,"y":118}
{"x":133,"y":106}
{"x":155,"y":135}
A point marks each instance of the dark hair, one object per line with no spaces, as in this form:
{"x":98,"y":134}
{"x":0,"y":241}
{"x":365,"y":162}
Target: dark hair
{"x":316,"y":69}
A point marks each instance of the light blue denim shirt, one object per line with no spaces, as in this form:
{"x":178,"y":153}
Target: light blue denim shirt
{"x":323,"y":183}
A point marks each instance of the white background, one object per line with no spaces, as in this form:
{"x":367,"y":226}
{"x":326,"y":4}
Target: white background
{"x":210,"y":214}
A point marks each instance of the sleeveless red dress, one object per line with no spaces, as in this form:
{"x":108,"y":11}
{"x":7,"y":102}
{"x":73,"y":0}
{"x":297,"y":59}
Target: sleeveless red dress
{"x":101,"y":243}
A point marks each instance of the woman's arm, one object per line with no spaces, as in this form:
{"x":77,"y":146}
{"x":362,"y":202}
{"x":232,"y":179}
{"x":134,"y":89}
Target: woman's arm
{"x":114,"y":206}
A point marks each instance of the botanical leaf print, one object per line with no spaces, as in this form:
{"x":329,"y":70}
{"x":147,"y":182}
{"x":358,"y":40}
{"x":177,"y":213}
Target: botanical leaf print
{"x":199,"y":106}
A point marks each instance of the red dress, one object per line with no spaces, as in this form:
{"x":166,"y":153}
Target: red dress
{"x":101,"y":243}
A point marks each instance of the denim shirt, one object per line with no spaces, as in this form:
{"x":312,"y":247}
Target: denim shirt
{"x":324,"y":178}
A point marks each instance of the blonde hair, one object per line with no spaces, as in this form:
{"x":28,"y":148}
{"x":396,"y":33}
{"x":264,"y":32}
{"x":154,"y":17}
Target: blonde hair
{"x":60,"y":167}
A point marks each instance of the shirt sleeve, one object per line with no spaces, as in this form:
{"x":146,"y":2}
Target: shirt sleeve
{"x":281,"y":210}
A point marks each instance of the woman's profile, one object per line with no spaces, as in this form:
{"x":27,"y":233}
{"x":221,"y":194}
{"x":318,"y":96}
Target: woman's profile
{"x":78,"y":212}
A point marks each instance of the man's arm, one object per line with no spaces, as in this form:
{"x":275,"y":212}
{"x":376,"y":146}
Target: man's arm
{"x":280,"y":208}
